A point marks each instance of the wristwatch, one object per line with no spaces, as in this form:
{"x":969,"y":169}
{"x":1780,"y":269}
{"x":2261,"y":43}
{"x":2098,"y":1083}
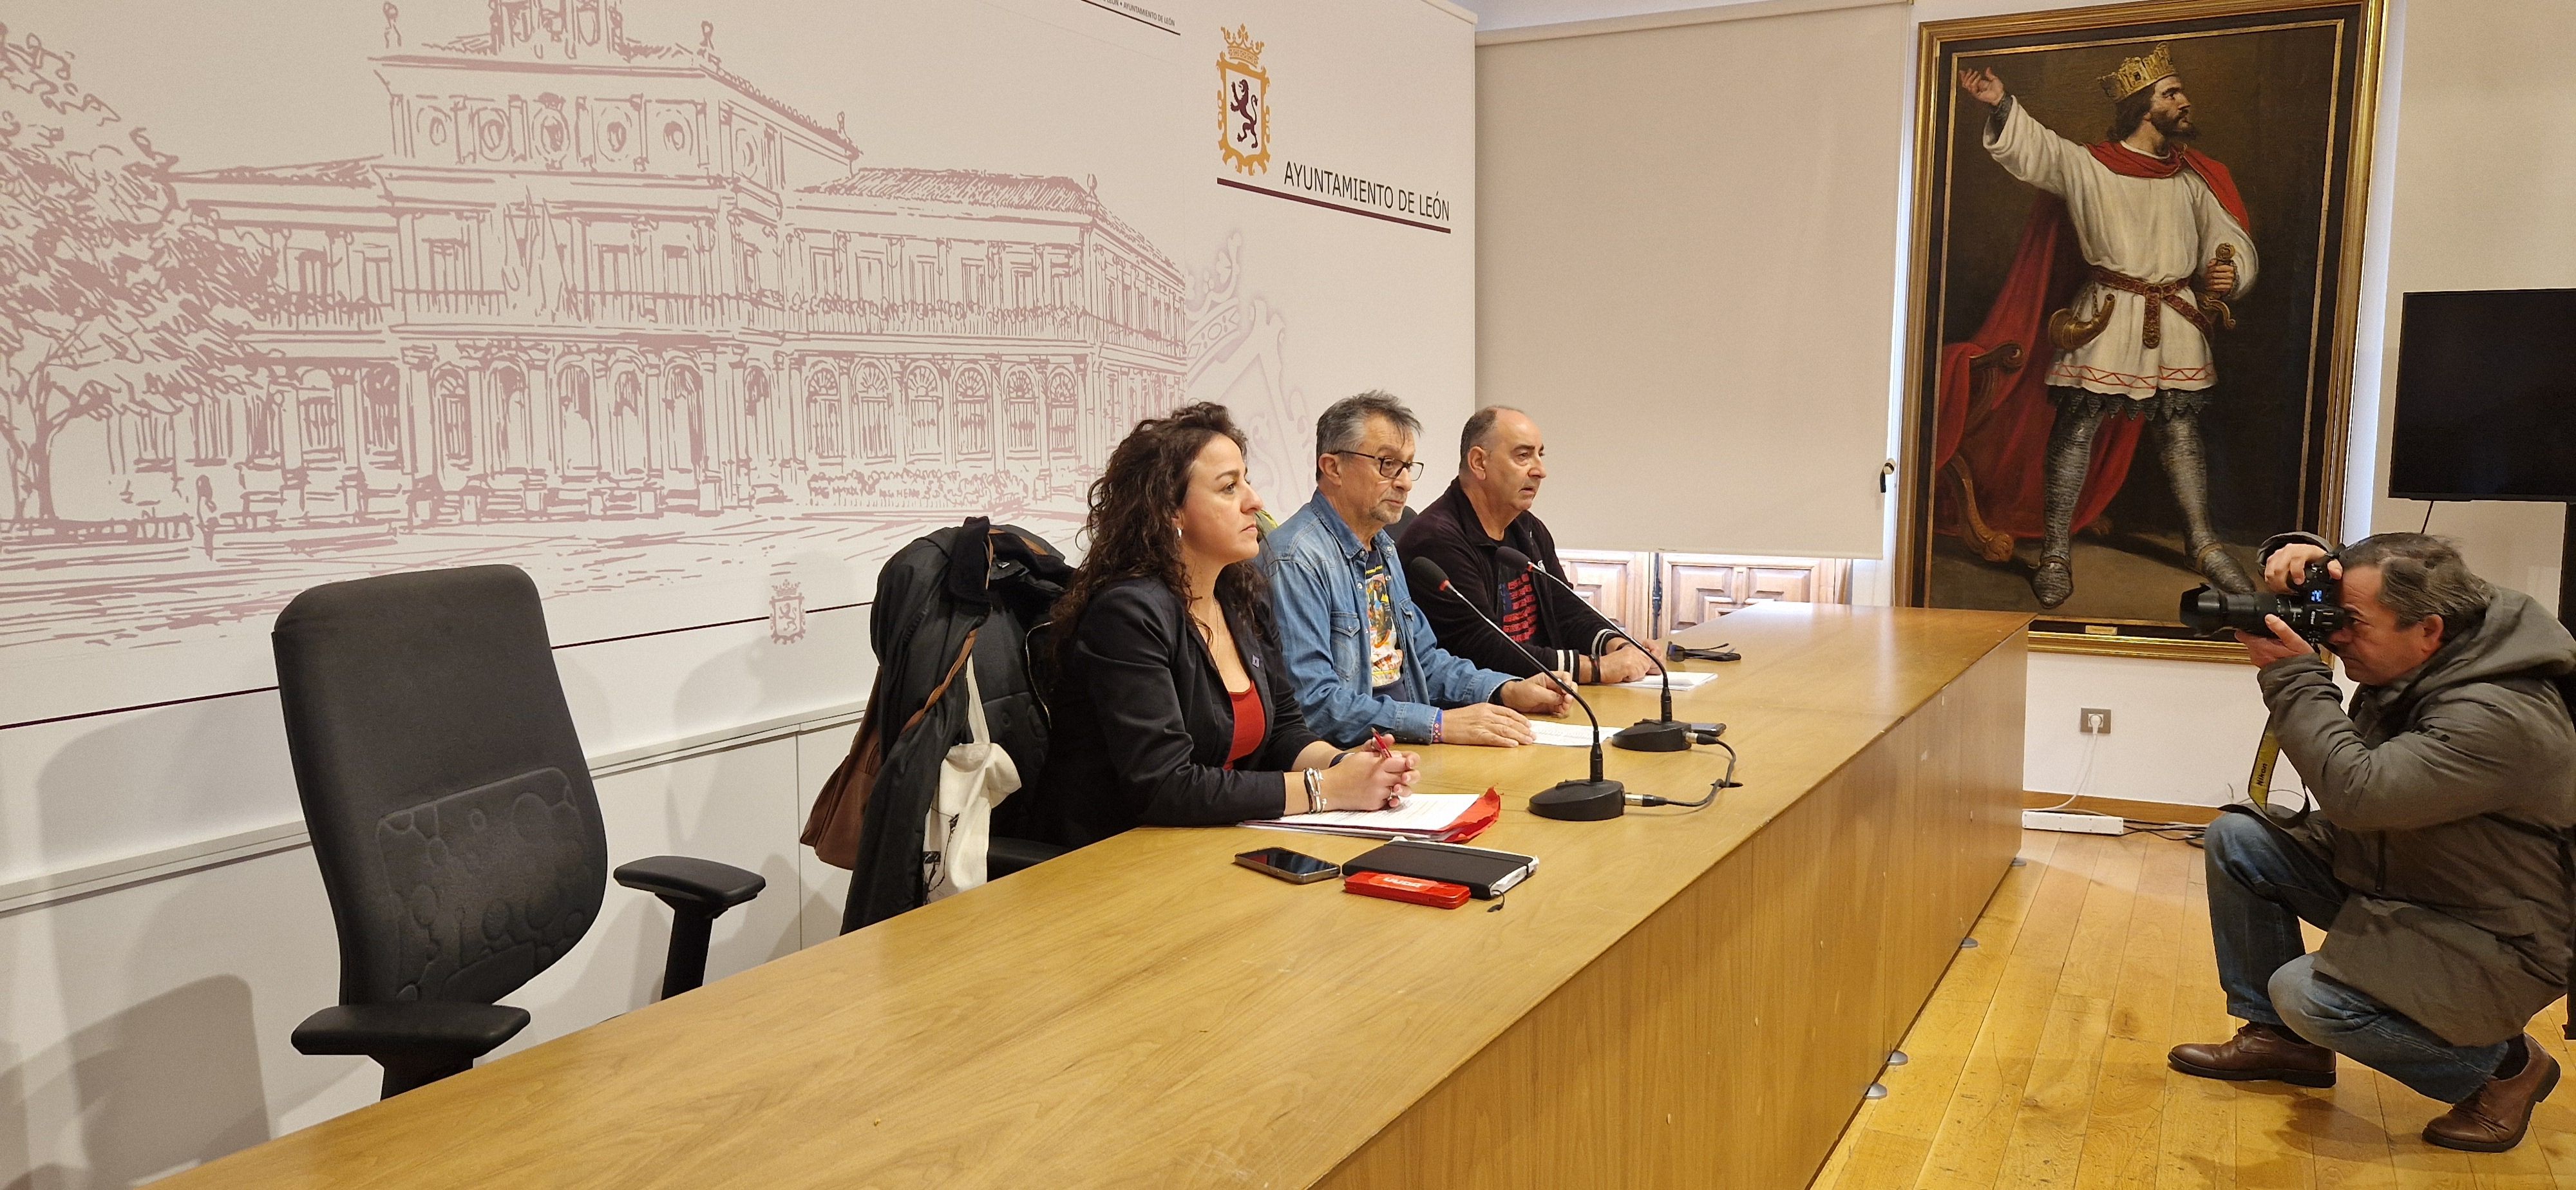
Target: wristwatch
{"x":1314,"y":791}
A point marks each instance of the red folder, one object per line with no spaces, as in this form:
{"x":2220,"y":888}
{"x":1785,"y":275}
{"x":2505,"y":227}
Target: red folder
{"x":1475,"y":820}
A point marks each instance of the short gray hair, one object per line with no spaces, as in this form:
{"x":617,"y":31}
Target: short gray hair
{"x":2421,"y":575}
{"x":1345,"y":421}
{"x":1480,"y":426}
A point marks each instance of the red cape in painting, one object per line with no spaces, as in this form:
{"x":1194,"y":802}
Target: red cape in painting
{"x":2000,"y":439}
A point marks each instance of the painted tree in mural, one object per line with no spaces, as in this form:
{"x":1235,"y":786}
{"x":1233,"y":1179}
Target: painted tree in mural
{"x":111,"y":296}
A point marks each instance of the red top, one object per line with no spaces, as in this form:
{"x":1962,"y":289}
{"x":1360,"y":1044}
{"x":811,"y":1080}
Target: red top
{"x":1249,"y":726}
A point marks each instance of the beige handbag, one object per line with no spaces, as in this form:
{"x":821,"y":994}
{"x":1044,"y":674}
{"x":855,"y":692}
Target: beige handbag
{"x":973,"y":779}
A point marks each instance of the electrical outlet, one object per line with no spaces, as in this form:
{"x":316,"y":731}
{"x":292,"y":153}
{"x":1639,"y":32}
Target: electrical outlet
{"x":2093,"y":721}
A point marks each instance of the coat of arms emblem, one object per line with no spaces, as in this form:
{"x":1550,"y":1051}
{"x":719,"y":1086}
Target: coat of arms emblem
{"x":786,"y":613}
{"x":1243,"y":103}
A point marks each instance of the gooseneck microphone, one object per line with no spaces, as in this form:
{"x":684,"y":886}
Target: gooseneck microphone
{"x":1645,"y":735}
{"x":1579,"y":801}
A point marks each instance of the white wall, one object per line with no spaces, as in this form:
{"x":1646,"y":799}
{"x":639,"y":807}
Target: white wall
{"x":1492,"y":15}
{"x":2484,"y":175}
{"x":1692,"y":323}
{"x":144,"y":1020}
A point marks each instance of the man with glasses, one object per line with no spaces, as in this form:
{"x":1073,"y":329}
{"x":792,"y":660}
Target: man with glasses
{"x":1361,"y":654}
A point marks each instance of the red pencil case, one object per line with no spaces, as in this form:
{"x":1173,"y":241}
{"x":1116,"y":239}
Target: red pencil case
{"x":1409,"y":889}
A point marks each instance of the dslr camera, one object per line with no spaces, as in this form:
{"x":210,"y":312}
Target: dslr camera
{"x":2310,"y":609}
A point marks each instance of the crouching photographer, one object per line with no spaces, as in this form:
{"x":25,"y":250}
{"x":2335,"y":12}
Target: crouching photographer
{"x":2433,"y":854}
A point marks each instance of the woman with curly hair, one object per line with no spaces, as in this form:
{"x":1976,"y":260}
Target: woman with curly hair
{"x":1173,"y":707}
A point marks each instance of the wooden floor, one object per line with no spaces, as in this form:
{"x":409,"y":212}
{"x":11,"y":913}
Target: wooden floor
{"x":2040,"y":1060}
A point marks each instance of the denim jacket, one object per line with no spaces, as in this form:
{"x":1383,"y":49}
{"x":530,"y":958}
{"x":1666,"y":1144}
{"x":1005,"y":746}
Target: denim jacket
{"x":1313,"y":562}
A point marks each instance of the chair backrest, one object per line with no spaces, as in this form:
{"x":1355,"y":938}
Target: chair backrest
{"x":993,"y":581}
{"x":449,"y":802}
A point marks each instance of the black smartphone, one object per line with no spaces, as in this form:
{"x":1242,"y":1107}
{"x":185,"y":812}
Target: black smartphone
{"x":1291,"y":866}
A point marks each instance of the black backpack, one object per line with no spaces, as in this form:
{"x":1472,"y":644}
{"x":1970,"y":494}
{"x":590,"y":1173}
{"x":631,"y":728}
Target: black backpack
{"x":970,"y":594}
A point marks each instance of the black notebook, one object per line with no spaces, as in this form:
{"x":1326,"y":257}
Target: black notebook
{"x":1486,"y":873}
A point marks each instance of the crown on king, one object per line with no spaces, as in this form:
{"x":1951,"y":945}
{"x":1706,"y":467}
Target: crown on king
{"x":2138,"y":74}
{"x":1241,"y":48}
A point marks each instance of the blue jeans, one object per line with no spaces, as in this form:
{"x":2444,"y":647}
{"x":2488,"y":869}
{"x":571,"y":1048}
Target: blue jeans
{"x":2260,"y":886}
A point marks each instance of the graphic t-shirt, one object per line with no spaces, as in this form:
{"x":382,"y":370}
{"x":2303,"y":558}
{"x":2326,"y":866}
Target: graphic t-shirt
{"x":1520,"y":609}
{"x":1377,"y":594}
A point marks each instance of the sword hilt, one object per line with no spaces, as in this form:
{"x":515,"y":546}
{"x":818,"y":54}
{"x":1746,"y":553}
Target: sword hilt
{"x":2212,"y":308}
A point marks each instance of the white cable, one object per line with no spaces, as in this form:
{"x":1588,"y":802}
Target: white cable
{"x":2083,"y":776}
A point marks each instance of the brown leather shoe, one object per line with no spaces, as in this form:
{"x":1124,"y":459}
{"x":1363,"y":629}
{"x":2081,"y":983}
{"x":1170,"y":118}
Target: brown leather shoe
{"x":2495,"y":1118}
{"x":2258,"y":1052}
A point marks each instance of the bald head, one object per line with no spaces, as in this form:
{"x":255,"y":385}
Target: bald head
{"x":1480,"y":429}
{"x":1501,"y":463}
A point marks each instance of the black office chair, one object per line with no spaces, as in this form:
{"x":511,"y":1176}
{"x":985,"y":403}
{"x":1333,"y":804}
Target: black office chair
{"x":452,"y":813}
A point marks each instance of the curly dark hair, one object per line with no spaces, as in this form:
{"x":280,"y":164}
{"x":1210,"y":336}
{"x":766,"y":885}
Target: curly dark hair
{"x":1129,"y":529}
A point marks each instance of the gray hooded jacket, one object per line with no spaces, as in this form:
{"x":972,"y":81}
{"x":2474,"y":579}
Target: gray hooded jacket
{"x":2444,"y":802}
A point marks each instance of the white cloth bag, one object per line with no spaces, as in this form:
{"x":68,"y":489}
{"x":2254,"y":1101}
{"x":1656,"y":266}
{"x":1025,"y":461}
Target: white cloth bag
{"x":973,"y":778}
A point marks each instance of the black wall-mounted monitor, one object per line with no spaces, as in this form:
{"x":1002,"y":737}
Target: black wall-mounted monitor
{"x":2486,"y":397}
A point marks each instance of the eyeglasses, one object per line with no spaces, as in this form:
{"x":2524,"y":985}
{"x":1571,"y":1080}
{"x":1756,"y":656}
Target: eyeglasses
{"x":1387,"y":468}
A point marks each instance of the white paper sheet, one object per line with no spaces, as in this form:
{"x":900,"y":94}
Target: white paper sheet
{"x":1421,"y":814}
{"x":1567,"y":735}
{"x":1682,"y":680}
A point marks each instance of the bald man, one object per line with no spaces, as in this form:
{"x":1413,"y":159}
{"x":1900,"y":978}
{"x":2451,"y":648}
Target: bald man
{"x":1501,"y":462}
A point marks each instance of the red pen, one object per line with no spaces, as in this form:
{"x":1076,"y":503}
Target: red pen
{"x":1384,"y":745}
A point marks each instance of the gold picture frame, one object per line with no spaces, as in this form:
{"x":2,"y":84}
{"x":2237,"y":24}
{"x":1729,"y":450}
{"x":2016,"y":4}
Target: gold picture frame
{"x":2291,"y":90}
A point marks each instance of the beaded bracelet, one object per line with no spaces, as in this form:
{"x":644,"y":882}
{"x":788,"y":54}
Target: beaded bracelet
{"x":1435,"y":725}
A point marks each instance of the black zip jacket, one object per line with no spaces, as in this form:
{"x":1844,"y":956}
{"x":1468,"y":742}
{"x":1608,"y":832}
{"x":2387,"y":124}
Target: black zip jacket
{"x":1449,"y":533}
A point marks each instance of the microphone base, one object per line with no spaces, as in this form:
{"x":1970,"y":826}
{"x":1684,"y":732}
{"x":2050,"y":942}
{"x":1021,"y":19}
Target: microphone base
{"x":1654,"y":735}
{"x":1581,"y":801}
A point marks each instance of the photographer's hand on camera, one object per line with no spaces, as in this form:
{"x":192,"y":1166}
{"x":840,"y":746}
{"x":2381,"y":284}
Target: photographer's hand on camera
{"x":2282,"y":645}
{"x":2302,"y":599}
{"x":2283,"y":569}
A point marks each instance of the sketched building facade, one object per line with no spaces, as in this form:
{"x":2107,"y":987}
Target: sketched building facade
{"x":592,"y":277}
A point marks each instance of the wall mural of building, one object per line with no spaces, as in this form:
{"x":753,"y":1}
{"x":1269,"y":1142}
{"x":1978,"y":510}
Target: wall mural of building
{"x":593,"y":279}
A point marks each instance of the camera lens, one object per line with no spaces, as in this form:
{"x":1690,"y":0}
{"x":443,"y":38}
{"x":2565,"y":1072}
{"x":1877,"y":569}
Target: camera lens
{"x":2204,"y":609}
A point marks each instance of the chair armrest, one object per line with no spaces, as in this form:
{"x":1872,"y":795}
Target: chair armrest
{"x":459,"y":1029}
{"x":701,"y":884}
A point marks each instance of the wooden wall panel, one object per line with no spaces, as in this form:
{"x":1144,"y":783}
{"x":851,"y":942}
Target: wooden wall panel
{"x":1701,"y":587}
{"x":1618,"y":585}
{"x":1698,"y":588}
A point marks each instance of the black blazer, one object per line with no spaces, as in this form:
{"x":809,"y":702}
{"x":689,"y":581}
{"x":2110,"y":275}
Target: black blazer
{"x":1142,"y":725}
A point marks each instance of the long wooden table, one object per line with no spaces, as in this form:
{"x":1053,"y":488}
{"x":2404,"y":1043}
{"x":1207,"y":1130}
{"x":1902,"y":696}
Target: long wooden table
{"x":1677,"y":998}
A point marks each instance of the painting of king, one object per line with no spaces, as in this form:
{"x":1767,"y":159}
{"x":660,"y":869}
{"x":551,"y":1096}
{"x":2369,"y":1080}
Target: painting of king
{"x":2103,"y":295}
{"x":2163,"y":237}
